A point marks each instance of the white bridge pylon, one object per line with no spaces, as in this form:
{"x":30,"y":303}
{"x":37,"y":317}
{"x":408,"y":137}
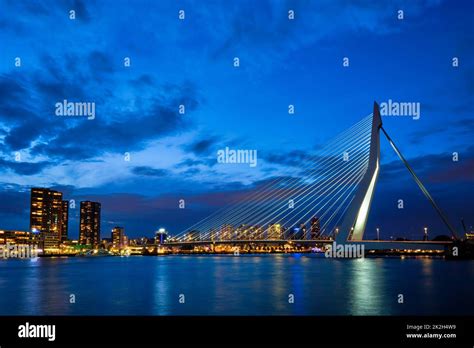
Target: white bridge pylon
{"x":355,"y":221}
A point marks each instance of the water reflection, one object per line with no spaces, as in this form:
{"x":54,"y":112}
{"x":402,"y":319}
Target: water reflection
{"x":161,"y":293}
{"x":364,"y":282}
{"x":31,"y":290}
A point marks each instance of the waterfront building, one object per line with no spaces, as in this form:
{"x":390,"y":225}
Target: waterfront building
{"x":275,"y":231}
{"x":226,"y":232}
{"x":48,"y":216}
{"x":315,"y":228}
{"x":193,"y":235}
{"x":18,"y":237}
{"x":106,"y":243}
{"x":89,"y":227}
{"x":160,"y":236}
{"x":303,"y":232}
{"x":258,"y":232}
{"x":242,"y":232}
{"x":118,"y":236}
{"x":213,"y":234}
{"x":64,"y":222}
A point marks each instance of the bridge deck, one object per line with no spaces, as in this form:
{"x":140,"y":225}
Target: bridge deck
{"x":368,"y":244}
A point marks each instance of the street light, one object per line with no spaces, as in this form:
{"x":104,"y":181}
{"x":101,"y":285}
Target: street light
{"x":378,"y":233}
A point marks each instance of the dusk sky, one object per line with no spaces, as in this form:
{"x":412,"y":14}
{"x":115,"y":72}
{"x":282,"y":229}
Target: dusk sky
{"x":190,"y":62}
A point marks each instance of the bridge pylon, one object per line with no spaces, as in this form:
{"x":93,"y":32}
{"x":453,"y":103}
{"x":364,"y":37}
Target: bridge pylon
{"x":355,"y":220}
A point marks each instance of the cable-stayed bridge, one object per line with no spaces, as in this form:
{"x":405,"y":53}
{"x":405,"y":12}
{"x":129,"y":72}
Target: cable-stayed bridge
{"x":327,"y":199}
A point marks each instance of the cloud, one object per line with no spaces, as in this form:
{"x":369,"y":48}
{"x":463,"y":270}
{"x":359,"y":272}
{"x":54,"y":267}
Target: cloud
{"x":239,"y":32}
{"x":100,"y":63}
{"x":294,"y":158}
{"x":14,"y":207}
{"x":25,"y":168}
{"x":203,"y":146}
{"x":149,"y":171}
{"x":432,"y":169}
{"x":121,"y":124}
{"x":457,"y":127}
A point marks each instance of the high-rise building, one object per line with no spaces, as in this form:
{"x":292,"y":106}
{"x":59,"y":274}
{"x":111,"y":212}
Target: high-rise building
{"x":118,"y":237}
{"x":89,"y":228}
{"x":47,"y":216}
{"x":18,"y":237}
{"x":65,"y":219}
{"x":161,"y":235}
{"x":258,"y":232}
{"x":303,"y":232}
{"x":315,"y":228}
{"x":295,"y":233}
{"x":242,"y":232}
{"x":226,"y":232}
{"x":274,"y":232}
{"x":193,"y":235}
{"x":213,"y":234}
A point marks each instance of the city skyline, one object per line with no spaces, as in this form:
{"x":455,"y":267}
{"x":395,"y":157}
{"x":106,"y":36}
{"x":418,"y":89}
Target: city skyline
{"x":53,"y":211}
{"x":173,"y":156}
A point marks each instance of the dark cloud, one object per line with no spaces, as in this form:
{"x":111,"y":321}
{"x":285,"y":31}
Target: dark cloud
{"x":14,"y":106}
{"x":143,"y":80}
{"x":100,"y":63}
{"x":25,"y":168}
{"x":203,"y":146}
{"x":191,"y":172}
{"x":188,"y":162}
{"x":82,"y":13}
{"x":457,"y":127}
{"x":203,"y":161}
{"x":439,"y":168}
{"x":90,"y":138}
{"x":27,"y":109}
{"x":14,"y":207}
{"x":149,"y":171}
{"x":294,"y":158}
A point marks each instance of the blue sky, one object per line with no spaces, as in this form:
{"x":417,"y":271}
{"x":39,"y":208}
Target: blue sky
{"x":190,"y":62}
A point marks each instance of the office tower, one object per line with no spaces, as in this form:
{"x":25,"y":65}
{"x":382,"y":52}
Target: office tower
{"x":226,"y":232}
{"x":295,"y":233}
{"x":274,"y":231}
{"x":193,"y":235}
{"x":18,"y":237}
{"x":89,"y":228}
{"x":315,"y":228}
{"x":118,"y":237}
{"x":47,"y":216}
{"x":242,"y":232}
{"x":213,"y":234}
{"x":303,"y":232}
{"x":160,"y":236}
{"x":258,"y":232}
{"x":64,"y":222}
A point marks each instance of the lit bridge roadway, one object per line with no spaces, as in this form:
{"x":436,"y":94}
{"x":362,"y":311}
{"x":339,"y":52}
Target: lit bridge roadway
{"x":368,"y":244}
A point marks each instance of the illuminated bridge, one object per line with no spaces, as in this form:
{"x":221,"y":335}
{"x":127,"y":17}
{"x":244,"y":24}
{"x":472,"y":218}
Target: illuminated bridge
{"x":326,"y":199}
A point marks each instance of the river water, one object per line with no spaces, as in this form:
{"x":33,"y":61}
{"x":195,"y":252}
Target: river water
{"x":299,"y":284}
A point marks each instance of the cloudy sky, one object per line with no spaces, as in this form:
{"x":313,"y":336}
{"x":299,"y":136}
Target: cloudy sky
{"x":190,"y":62}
